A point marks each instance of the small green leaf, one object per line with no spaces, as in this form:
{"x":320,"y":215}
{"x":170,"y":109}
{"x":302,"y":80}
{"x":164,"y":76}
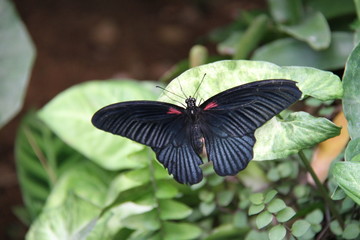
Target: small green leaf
{"x":240,"y":219}
{"x":166,"y":190}
{"x":257,"y":198}
{"x":255,"y":235}
{"x":206,"y":208}
{"x":352,"y":230}
{"x":147,"y":221}
{"x":273,"y":174}
{"x":180,"y":231}
{"x":225,"y":197}
{"x":206,"y":196}
{"x":171,"y":209}
{"x":301,"y":191}
{"x":276,"y":205}
{"x":270,"y":195}
{"x":285,"y":169}
{"x":285,"y":215}
{"x":347,"y":174}
{"x":277,"y":232}
{"x":315,"y":217}
{"x":255,"y":209}
{"x":263,"y":219}
{"x":300,"y":227}
{"x":336,"y":228}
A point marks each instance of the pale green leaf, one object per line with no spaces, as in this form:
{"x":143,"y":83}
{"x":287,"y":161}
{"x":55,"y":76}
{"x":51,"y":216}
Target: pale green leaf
{"x":69,"y":116}
{"x":263,"y":219}
{"x":173,"y":210}
{"x":277,"y":232}
{"x":255,"y":209}
{"x":347,"y":175}
{"x":17,"y":54}
{"x":256,"y":198}
{"x":180,"y":231}
{"x":285,"y":215}
{"x":351,"y":99}
{"x":299,"y":228}
{"x":276,"y":205}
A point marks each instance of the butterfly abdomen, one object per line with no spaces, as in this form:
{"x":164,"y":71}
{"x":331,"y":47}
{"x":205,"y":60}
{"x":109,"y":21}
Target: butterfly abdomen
{"x":197,"y":138}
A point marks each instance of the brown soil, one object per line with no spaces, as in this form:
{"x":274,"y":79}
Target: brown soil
{"x":78,"y":41}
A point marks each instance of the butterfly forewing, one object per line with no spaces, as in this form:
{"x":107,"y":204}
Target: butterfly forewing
{"x":230,"y":118}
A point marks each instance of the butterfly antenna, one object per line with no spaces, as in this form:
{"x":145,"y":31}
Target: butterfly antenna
{"x":197,"y":89}
{"x":182,"y":90}
{"x":167,"y":91}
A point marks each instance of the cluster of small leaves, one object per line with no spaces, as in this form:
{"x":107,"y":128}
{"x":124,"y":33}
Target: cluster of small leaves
{"x":273,"y":216}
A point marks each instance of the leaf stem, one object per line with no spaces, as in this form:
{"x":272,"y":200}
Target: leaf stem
{"x":322,"y":189}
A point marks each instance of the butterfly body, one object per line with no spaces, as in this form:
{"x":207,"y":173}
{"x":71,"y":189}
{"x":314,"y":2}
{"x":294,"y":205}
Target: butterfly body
{"x":225,"y":124}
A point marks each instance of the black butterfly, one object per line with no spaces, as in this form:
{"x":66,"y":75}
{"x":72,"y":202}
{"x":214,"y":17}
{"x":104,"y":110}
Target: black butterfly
{"x":226,"y":123}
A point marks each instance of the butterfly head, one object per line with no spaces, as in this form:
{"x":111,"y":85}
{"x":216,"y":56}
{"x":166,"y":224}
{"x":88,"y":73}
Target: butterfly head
{"x":190,"y":102}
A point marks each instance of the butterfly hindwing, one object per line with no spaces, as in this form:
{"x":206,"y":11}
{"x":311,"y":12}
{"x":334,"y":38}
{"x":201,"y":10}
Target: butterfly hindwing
{"x":159,"y":125}
{"x":230,"y":118}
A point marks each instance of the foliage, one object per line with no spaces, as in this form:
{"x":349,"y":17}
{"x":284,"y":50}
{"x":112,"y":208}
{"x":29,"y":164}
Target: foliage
{"x":81,"y":183}
{"x":16,"y":58}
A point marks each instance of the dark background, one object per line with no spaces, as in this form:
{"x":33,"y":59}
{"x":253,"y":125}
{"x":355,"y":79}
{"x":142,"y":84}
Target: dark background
{"x":78,"y":41}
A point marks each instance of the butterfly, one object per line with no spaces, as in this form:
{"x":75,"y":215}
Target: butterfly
{"x":225,"y":124}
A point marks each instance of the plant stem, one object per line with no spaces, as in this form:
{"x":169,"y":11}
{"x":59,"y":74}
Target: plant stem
{"x":322,"y":189}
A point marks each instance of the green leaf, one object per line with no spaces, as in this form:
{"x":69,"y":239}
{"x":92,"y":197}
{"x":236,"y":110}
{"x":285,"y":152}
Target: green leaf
{"x":285,"y":11}
{"x":255,"y":209}
{"x":277,"y":232}
{"x":165,"y":190}
{"x":351,"y":99}
{"x":148,"y":221}
{"x":298,"y":131}
{"x":255,"y":235}
{"x":41,"y":158}
{"x":333,"y":8}
{"x":173,"y":210}
{"x":224,"y":198}
{"x":180,"y":231}
{"x":263,"y":219}
{"x":240,"y":219}
{"x":270,"y":195}
{"x":336,"y":228}
{"x":347,"y":175}
{"x":289,"y":51}
{"x":206,"y":208}
{"x":17,"y":55}
{"x":299,"y":228}
{"x":276,"y":205}
{"x":285,"y":215}
{"x":64,"y":222}
{"x":352,"y":149}
{"x":206,"y":196}
{"x":69,"y":116}
{"x":315,"y":217}
{"x":257,"y":198}
{"x":313,"y":29}
{"x":352,"y":230}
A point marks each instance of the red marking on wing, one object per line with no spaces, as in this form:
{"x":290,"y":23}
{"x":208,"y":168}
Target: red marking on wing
{"x":211,"y":105}
{"x":173,"y":111}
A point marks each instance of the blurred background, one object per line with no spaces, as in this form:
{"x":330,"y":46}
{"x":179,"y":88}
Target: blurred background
{"x":78,"y":41}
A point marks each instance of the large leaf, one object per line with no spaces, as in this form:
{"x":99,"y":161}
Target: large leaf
{"x":333,"y":8}
{"x":69,"y":116}
{"x":313,"y":30}
{"x":17,"y":54}
{"x":289,"y":51}
{"x":347,"y":174}
{"x":68,"y":221}
{"x":41,"y":158}
{"x":277,"y":138}
{"x":351,"y":99}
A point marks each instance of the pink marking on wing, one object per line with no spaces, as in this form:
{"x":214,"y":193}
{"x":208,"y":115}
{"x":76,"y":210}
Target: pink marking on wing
{"x":173,"y":111}
{"x":210,"y":105}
